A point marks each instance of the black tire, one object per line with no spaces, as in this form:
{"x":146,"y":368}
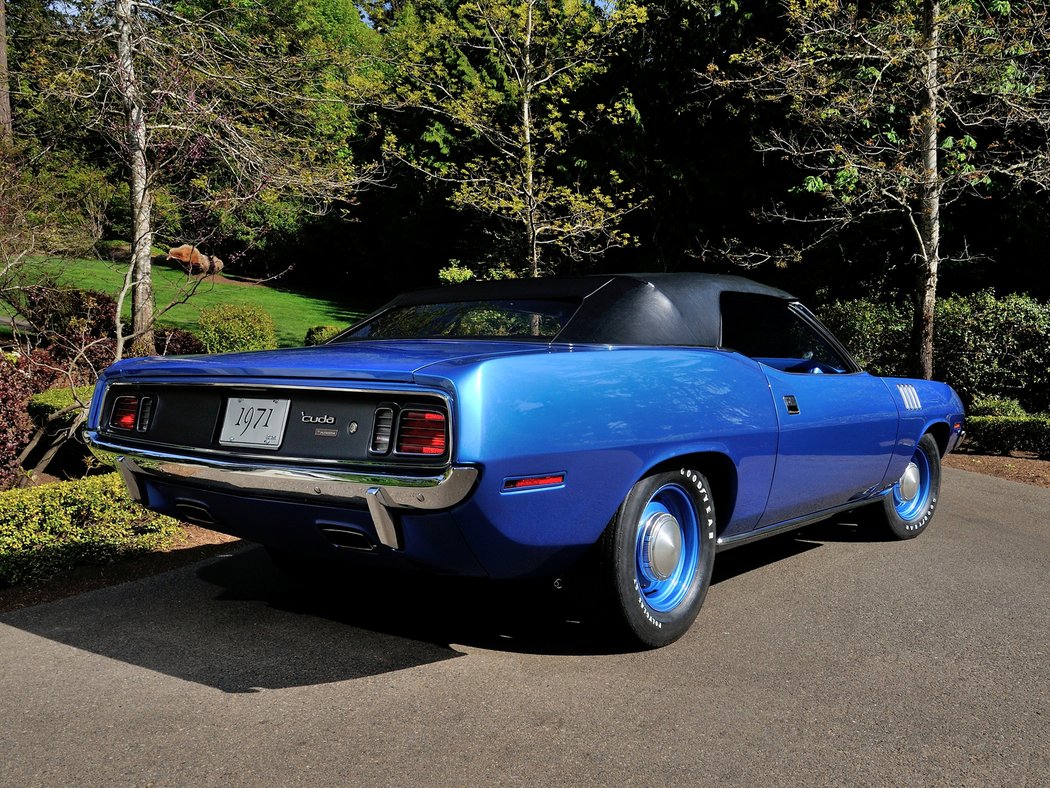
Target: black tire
{"x":901,"y":518}
{"x":656,"y":589}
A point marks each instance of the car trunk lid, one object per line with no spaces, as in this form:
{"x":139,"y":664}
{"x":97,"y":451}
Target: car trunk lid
{"x":394,"y":361}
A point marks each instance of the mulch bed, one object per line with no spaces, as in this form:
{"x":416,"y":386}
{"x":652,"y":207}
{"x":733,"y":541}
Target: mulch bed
{"x":1017,"y":467}
{"x":200,"y":543}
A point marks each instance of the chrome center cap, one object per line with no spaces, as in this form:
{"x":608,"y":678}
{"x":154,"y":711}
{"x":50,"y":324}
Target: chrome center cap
{"x":663,"y":544}
{"x":909,"y":483}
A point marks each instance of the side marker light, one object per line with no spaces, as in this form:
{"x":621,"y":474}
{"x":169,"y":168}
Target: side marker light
{"x":528,"y":482}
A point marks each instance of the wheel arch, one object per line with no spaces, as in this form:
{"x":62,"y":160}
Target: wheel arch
{"x":721,"y":474}
{"x":941,"y":433}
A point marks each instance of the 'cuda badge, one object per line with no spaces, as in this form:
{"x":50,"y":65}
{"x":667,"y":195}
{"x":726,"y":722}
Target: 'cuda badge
{"x":322,"y":419}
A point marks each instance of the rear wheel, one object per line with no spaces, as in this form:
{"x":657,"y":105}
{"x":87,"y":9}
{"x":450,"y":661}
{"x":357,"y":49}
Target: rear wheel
{"x":657,"y":556}
{"x":908,"y":508}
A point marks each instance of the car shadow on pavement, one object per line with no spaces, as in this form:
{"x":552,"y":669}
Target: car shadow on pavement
{"x":239,"y":624}
{"x":537,"y":617}
{"x":747,"y":558}
{"x":251,"y":635}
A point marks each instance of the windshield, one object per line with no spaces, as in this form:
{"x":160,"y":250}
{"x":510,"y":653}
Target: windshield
{"x":527,"y":319}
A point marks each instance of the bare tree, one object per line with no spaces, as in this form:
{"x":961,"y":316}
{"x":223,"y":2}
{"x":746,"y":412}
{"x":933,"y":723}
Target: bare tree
{"x":210,"y":104}
{"x":5,"y":85}
{"x":902,"y":109}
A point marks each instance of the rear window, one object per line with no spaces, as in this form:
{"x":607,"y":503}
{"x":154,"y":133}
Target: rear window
{"x":527,"y":319}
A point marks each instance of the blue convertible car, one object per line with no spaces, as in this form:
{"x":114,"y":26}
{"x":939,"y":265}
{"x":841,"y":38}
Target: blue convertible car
{"x":506,"y":429}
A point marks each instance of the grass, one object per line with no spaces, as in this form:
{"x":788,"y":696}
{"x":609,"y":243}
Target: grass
{"x":293,"y":313}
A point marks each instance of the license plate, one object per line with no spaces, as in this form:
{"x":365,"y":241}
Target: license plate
{"x":258,"y":423}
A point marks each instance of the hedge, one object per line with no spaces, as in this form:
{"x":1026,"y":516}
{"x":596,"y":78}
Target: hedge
{"x":984,"y":345}
{"x":997,"y":406}
{"x":52,"y":528}
{"x":1003,"y":434}
{"x":44,"y":405}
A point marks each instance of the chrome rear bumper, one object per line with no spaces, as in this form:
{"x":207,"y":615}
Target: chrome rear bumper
{"x":382,"y":493}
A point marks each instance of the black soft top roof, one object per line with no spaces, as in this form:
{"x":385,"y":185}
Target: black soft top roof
{"x":622,"y":309}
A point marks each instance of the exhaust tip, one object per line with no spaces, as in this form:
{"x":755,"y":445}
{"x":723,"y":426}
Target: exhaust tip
{"x":346,"y":537}
{"x":195,"y":512}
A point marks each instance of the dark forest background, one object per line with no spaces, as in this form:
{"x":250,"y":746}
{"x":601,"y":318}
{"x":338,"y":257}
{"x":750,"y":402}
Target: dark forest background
{"x":677,"y":156}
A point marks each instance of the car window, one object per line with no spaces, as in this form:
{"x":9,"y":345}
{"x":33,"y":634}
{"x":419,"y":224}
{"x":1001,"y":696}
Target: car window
{"x":521,"y":319}
{"x":770,"y":331}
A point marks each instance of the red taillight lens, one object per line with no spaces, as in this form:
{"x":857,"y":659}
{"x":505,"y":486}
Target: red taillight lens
{"x":421,"y":432}
{"x":131,"y":412}
{"x":125,"y":413}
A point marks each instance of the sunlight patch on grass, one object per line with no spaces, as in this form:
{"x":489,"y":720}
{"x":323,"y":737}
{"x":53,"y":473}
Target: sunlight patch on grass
{"x":293,"y":313}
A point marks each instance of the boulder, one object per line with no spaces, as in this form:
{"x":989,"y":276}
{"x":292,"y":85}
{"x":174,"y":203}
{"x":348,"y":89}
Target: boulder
{"x":193,"y":261}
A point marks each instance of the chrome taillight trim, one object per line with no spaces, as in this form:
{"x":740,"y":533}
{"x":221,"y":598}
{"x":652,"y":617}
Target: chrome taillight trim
{"x":408,"y":392}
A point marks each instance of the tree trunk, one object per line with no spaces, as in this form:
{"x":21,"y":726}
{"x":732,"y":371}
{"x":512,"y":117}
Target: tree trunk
{"x":930,"y":202}
{"x":141,"y":193}
{"x":6,"y":129}
{"x":528,"y":159}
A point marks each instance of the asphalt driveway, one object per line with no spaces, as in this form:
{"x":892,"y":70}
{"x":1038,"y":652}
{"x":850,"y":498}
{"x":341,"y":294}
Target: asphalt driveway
{"x":823,"y":658}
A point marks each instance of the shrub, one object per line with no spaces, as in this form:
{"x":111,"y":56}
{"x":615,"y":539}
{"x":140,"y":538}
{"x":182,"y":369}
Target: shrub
{"x":877,"y":334}
{"x":75,"y":326}
{"x":60,"y":199}
{"x":455,"y":274}
{"x":1039,"y":437}
{"x":44,"y":405}
{"x":318,"y":335}
{"x":38,"y":367}
{"x":997,"y":406}
{"x":1003,"y":434}
{"x":53,"y":309}
{"x":16,"y":427}
{"x":992,"y":434}
{"x":49,"y":529}
{"x":177,"y":342}
{"x":227,"y":328}
{"x":988,"y":346}
{"x":985,"y":346}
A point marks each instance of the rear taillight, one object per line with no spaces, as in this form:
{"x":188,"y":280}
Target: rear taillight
{"x":131,"y":412}
{"x":422,"y":432}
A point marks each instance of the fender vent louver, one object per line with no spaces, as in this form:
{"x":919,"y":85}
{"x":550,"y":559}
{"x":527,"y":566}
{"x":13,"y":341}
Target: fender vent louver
{"x":910,"y":396}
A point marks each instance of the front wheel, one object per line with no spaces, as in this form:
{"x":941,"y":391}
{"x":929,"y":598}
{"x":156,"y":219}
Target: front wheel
{"x":907,"y":509}
{"x":657,"y":555}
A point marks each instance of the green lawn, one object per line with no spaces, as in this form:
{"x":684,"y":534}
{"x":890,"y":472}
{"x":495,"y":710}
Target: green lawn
{"x":293,"y":313}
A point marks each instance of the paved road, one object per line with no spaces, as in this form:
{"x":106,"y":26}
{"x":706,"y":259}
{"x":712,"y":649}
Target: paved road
{"x":818,"y":659}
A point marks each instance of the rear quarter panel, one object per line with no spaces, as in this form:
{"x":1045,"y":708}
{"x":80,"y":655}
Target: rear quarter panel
{"x":604,"y":417}
{"x":934,"y":403}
